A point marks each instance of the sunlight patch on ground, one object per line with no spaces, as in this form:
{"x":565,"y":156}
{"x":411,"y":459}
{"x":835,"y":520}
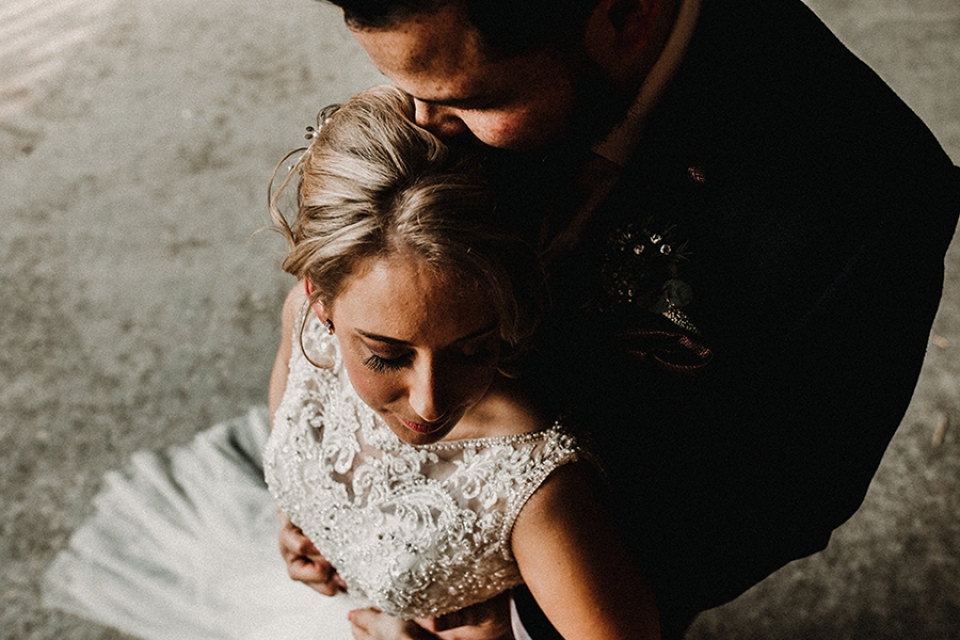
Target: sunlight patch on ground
{"x":37,"y":38}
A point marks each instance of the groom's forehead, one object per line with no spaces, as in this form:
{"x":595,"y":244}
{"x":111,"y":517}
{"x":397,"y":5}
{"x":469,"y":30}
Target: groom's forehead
{"x":447,"y":29}
{"x":439,"y":58}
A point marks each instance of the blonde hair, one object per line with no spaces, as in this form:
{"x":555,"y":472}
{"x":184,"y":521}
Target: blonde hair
{"x":374,"y":185}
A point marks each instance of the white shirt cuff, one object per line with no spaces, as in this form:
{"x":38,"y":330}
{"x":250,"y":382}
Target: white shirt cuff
{"x":518,"y":631}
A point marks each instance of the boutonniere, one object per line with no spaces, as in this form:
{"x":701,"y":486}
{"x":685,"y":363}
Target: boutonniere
{"x":642,"y":267}
{"x":642,"y":270}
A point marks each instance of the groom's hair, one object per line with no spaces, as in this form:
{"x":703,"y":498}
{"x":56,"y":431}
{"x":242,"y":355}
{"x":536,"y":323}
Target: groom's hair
{"x":507,"y":27}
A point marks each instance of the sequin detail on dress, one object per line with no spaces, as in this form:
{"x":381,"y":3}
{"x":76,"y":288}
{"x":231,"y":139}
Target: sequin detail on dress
{"x":418,"y":530}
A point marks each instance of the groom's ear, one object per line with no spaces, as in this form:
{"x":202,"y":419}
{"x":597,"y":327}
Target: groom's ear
{"x":619,"y":37}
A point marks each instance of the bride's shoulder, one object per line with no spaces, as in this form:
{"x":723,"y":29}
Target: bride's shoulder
{"x":505,"y":410}
{"x":293,"y":307}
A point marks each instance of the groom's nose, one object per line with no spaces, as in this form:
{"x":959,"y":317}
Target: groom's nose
{"x":441,"y":121}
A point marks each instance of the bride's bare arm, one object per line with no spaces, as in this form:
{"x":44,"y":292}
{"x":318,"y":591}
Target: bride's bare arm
{"x":304,"y":563}
{"x":576,"y":565}
{"x":281,"y":366}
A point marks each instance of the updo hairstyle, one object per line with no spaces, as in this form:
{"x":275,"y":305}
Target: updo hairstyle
{"x":374,"y":185}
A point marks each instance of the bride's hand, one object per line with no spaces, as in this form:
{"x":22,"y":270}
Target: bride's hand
{"x":488,"y":620}
{"x":372,"y":624}
{"x":304,"y":562}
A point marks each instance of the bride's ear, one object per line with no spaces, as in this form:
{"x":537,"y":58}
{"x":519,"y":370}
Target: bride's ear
{"x":619,"y":35}
{"x":317,"y":305}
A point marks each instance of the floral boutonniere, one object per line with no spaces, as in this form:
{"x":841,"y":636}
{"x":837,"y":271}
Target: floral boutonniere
{"x":642,"y":269}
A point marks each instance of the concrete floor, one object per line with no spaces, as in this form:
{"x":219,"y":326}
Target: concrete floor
{"x":137,"y":308}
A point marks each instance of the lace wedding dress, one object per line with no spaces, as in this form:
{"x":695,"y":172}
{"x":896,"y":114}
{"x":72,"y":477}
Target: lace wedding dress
{"x":184,"y":542}
{"x":418,"y":530}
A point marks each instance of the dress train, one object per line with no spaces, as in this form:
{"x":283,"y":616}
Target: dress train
{"x":183,"y":546}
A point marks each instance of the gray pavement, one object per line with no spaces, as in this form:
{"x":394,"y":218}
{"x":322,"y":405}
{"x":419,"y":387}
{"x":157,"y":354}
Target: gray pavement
{"x":137,"y":307}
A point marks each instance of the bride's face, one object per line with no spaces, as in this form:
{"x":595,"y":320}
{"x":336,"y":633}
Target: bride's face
{"x":420,"y":347}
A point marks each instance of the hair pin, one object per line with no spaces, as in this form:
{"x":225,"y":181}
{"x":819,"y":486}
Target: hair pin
{"x":322,"y":119}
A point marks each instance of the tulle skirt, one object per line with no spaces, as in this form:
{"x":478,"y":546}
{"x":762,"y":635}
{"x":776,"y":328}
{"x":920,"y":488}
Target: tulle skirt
{"x":183,"y":545}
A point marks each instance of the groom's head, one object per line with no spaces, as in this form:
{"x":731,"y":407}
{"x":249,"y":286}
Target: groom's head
{"x":516,"y":74}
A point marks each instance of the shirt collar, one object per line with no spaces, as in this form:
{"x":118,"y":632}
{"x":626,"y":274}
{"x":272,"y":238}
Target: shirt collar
{"x":623,"y":139}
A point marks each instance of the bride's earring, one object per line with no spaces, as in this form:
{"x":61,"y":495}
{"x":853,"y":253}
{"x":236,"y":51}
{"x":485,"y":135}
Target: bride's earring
{"x":319,"y":309}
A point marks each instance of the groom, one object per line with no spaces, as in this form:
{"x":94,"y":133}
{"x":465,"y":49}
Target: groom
{"x":746,"y":232}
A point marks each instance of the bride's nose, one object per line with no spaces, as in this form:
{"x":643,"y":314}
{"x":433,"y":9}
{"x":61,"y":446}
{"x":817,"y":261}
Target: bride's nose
{"x":427,"y":394}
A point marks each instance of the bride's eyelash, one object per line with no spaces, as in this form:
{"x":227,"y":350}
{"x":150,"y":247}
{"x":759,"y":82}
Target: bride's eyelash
{"x":380,"y":365}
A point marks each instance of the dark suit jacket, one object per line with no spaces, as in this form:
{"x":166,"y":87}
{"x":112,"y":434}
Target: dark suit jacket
{"x":813,"y":210}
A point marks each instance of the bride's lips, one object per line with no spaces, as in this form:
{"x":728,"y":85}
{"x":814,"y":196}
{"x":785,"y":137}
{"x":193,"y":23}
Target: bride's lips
{"x":419,"y":427}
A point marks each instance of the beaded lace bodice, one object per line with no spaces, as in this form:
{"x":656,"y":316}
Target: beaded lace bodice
{"x":418,"y":530}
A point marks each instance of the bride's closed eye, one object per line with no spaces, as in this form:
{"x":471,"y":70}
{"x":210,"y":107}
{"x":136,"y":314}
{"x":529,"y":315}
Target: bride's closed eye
{"x":476,"y":355}
{"x":379,"y":364}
